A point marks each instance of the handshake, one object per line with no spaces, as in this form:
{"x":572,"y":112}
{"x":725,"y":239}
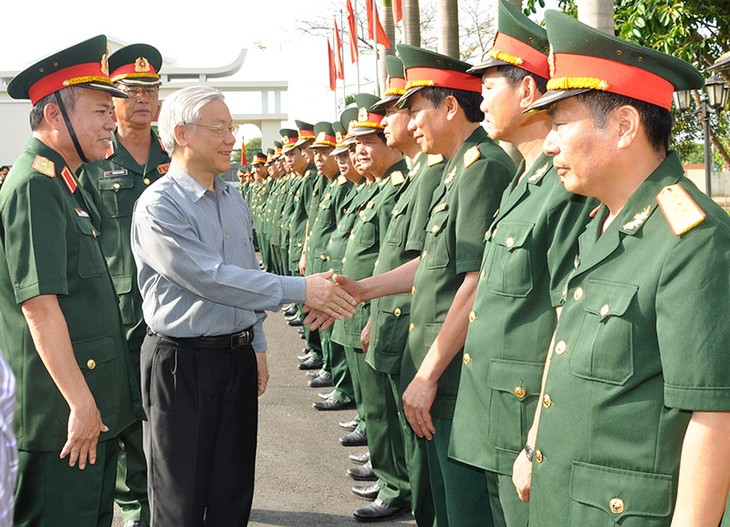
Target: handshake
{"x":329,"y":297}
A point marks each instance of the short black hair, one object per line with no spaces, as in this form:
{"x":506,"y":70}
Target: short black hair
{"x":657,"y":122}
{"x":515,"y":74}
{"x":468,"y":100}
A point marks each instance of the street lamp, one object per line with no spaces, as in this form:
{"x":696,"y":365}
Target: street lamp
{"x":714,"y":97}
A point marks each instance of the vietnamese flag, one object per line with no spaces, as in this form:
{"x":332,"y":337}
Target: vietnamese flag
{"x":333,"y":72}
{"x":382,"y":37}
{"x":351,"y":22}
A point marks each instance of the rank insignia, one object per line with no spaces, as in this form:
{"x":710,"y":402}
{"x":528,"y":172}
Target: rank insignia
{"x":638,"y":220}
{"x":679,"y":209}
{"x":415,"y":168}
{"x":162,"y":169}
{"x":44,"y":166}
{"x":397,"y":178}
{"x":434,"y":159}
{"x":69,"y":179}
{"x":539,"y":173}
{"x":450,"y":177}
{"x":471,"y":155}
{"x":341,"y":180}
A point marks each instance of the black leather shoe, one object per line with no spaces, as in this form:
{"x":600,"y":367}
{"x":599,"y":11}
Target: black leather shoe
{"x":295,"y":322}
{"x":311,"y":364}
{"x":326,"y":395}
{"x":305,"y":355}
{"x":323,"y":381}
{"x":363,"y":473}
{"x":291,"y":311}
{"x":377,"y":511}
{"x":332,"y":404}
{"x":360,"y":459}
{"x":348,"y":425}
{"x":354,"y":438}
{"x":369,"y":492}
{"x":314,"y":373}
{"x":136,"y":523}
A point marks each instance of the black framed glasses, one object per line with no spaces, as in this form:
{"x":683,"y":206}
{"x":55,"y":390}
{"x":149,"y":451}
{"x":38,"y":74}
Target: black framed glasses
{"x":139,"y":91}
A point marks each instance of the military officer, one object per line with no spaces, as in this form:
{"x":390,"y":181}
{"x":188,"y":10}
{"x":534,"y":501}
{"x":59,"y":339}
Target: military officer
{"x":444,"y":100}
{"x":384,"y":337}
{"x":528,"y":254}
{"x":638,"y":373}
{"x":134,"y":160}
{"x":61,"y":330}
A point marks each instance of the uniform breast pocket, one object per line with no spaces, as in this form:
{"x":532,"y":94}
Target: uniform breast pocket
{"x":509,"y":265}
{"x":116,"y":197}
{"x":91,"y":262}
{"x":95,"y":358}
{"x":366,"y":231}
{"x":437,"y":247}
{"x":397,"y":230}
{"x":514,"y":387}
{"x":603,"y":350}
{"x":607,"y":496}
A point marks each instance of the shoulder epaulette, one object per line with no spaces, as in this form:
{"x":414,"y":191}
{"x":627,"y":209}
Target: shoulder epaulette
{"x":471,"y":155}
{"x":434,"y":159}
{"x":397,"y":178}
{"x":679,"y":209}
{"x":341,"y":180}
{"x":44,"y":166}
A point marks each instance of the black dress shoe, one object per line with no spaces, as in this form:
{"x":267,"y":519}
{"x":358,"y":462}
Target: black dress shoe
{"x":314,"y":373}
{"x":354,"y":438}
{"x":363,"y":473}
{"x":360,"y":459}
{"x":326,"y":395}
{"x":291,"y":311}
{"x":305,"y":355}
{"x":323,"y":381}
{"x":369,"y":492}
{"x":348,"y":425}
{"x":377,"y":511}
{"x":311,"y":364}
{"x":332,"y":404}
{"x":295,"y":322}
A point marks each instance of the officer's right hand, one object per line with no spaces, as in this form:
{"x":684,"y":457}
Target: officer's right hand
{"x":522,"y":476}
{"x":303,"y":264}
{"x":84,"y":427}
{"x":365,"y":336}
{"x":324,"y":295}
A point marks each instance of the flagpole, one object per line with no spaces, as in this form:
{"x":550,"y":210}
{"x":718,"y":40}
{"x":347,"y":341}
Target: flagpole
{"x":375,"y":45}
{"x":344,"y":77}
{"x":358,"y":58}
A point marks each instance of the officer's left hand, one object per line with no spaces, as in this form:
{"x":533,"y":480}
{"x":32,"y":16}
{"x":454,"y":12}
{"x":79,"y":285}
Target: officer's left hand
{"x":417,"y":402}
{"x":365,"y":336}
{"x":263,"y":372}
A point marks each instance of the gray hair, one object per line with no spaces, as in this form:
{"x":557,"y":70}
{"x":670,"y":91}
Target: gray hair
{"x":69,"y":96}
{"x":183,"y":107}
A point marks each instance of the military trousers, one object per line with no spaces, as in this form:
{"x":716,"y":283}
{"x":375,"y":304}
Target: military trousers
{"x":459,"y":490}
{"x":49,"y":493}
{"x":507,"y":508}
{"x":341,"y":376}
{"x":200,"y":437}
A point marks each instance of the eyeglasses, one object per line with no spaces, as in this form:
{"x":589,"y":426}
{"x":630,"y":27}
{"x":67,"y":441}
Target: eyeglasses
{"x":137,"y":91}
{"x":219,"y":130}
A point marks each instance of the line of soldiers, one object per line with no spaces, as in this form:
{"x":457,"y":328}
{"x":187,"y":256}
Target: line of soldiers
{"x":474,"y":395}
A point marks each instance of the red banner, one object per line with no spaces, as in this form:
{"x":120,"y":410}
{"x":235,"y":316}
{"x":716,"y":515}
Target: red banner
{"x":397,"y":10}
{"x":351,"y":22}
{"x":333,"y":73}
{"x":339,"y":67}
{"x":382,"y":37}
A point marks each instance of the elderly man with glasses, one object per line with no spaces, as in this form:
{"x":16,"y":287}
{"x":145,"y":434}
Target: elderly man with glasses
{"x":203,"y":361}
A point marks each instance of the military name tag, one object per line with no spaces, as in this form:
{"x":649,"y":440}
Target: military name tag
{"x":679,"y":209}
{"x":117,"y":172}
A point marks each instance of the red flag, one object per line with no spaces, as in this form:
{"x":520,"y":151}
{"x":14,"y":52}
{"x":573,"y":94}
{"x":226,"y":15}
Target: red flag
{"x":340,"y":68}
{"x":397,"y":10}
{"x":382,"y":37}
{"x":353,"y":32}
{"x":333,"y":72}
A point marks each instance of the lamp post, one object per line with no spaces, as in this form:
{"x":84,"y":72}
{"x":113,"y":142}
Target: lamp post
{"x":714,"y":97}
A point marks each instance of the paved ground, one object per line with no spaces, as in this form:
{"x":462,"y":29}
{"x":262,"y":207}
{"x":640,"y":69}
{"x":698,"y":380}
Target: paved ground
{"x":301,"y":480}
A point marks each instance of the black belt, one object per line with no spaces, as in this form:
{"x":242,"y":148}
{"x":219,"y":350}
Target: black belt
{"x":233,"y":341}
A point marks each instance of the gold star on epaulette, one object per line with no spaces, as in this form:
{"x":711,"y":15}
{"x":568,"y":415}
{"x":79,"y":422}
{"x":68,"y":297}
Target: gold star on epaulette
{"x":397,"y":178}
{"x":679,"y":209}
{"x":434,"y":159}
{"x":44,"y":166}
{"x":539,"y":173}
{"x":471,"y":155}
{"x":638,"y":219}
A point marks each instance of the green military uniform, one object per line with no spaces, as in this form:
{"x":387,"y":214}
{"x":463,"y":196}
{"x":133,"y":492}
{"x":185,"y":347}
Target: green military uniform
{"x":50,"y":247}
{"x":389,"y":319}
{"x":294,"y":182}
{"x":639,"y":334}
{"x":463,"y":206}
{"x":115,"y":184}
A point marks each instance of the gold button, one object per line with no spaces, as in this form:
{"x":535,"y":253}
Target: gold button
{"x":578,"y":294}
{"x":397,"y":312}
{"x":411,"y":327}
{"x":547,"y":401}
{"x":91,"y":364}
{"x":344,"y":259}
{"x":616,"y":505}
{"x":605,"y":310}
{"x":352,"y":236}
{"x":395,"y":212}
{"x":377,"y":262}
{"x":510,"y":242}
{"x":538,"y":456}
{"x":467,"y":359}
{"x":519,"y":392}
{"x":413,"y":290}
{"x":322,"y":257}
{"x":423,"y":255}
{"x":117,"y":186}
{"x":472,"y":316}
{"x":483,"y":276}
{"x":560,"y":347}
{"x":146,"y":181}
{"x":435,"y":229}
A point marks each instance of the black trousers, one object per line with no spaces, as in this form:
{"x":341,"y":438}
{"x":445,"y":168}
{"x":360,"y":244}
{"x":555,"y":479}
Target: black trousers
{"x":200,"y":436}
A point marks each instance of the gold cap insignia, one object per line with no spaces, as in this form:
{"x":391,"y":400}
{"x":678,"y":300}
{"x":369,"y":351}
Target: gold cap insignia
{"x":321,"y":137}
{"x":105,"y":64}
{"x":362,"y":115}
{"x":141,"y":65}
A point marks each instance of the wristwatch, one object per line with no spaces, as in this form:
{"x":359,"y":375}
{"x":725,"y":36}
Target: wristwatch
{"x":528,"y":452}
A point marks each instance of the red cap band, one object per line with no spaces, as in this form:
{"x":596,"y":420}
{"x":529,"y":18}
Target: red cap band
{"x":532,"y":60}
{"x":456,"y":80}
{"x":71,"y":76}
{"x":132,"y":71}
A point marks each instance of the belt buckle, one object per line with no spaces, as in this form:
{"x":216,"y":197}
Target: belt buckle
{"x":240,"y":339}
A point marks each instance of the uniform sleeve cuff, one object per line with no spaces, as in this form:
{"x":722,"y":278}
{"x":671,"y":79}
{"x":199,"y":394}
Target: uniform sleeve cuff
{"x":294,"y":289}
{"x":705,"y":399}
